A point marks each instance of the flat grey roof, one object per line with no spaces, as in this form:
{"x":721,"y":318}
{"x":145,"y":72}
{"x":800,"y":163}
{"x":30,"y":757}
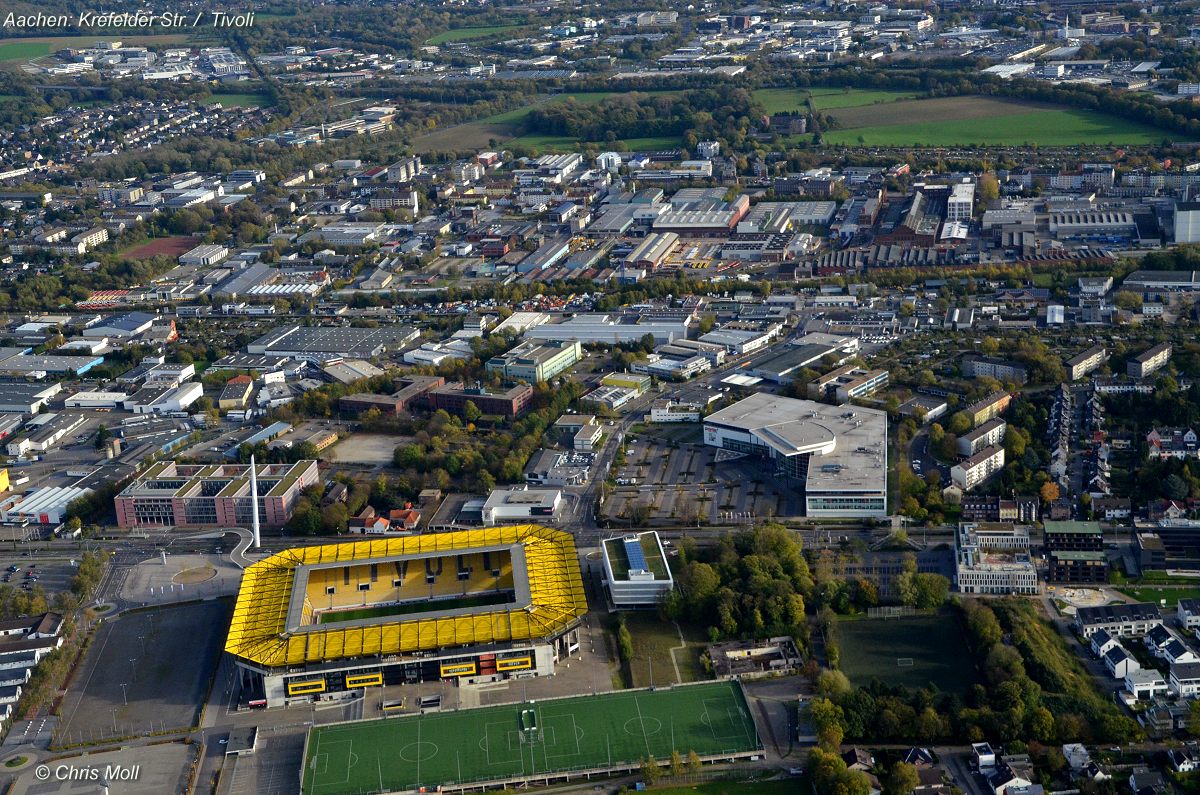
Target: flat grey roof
{"x":847,"y":443}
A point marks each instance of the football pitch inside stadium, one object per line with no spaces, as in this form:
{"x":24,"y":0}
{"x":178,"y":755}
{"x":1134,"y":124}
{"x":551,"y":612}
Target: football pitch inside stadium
{"x":527,"y":739}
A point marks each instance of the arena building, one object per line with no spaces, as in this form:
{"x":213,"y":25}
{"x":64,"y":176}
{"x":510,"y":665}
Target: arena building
{"x":474,"y":605}
{"x":838,"y":453}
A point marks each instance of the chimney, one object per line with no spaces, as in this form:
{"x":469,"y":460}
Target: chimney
{"x":254,"y":503}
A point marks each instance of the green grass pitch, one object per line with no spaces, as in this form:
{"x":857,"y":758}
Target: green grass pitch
{"x":931,"y":647}
{"x":487,"y":744}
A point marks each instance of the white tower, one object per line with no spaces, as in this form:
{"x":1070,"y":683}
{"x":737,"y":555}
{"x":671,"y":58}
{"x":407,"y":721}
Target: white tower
{"x":254,"y":503}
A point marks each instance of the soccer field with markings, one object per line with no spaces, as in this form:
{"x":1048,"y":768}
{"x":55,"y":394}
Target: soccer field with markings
{"x":527,"y":739}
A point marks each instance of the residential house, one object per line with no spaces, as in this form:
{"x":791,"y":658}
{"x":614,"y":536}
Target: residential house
{"x":1120,"y":662}
{"x":1187,"y":613}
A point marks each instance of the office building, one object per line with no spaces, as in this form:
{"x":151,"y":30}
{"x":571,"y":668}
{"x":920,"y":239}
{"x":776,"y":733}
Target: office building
{"x":167,"y":494}
{"x":636,"y":570}
{"x":534,"y":362}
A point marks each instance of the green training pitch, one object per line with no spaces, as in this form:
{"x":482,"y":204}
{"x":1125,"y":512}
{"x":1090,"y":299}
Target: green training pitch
{"x":1039,"y":127}
{"x":489,"y":744}
{"x":241,"y":100}
{"x":911,"y":652}
{"x":467,"y":34}
{"x":795,"y":100}
{"x":23,"y":50}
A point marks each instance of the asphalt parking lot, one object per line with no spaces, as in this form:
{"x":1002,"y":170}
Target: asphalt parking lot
{"x":682,"y":483}
{"x":145,"y":671}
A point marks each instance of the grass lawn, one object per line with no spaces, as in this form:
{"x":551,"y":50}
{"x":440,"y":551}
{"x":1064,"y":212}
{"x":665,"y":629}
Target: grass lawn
{"x":489,"y":744}
{"x":467,"y":34}
{"x":653,"y":640}
{"x":785,"y":100}
{"x":241,"y":100}
{"x":877,"y":647}
{"x":1153,"y":594}
{"x":1041,"y":126}
{"x":40,"y":46}
{"x":23,"y":50}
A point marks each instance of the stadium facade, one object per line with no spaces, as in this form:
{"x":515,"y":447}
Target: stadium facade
{"x":472,"y":605}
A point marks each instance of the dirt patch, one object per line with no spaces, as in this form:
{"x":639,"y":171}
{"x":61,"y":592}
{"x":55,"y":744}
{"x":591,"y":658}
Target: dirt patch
{"x":163,"y":246}
{"x":195,"y":575}
{"x":933,"y":110}
{"x":365,"y":448}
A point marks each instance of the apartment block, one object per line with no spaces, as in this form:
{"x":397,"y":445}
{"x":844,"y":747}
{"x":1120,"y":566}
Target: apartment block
{"x":1149,"y":360}
{"x":990,"y":434}
{"x":971,"y":472}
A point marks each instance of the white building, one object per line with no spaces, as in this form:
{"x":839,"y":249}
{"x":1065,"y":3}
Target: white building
{"x":994,"y":559}
{"x":969,"y":473}
{"x":95,"y":400}
{"x":1145,"y":684}
{"x":1118,"y":620}
{"x":41,"y":506}
{"x":671,"y":411}
{"x":162,"y":401}
{"x":1185,"y":680}
{"x":960,"y":205}
{"x":204,"y":255}
{"x":504,"y":506}
{"x":636,"y":570}
{"x":1120,"y":663}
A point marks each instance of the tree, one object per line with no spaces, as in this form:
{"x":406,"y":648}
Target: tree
{"x":1049,"y":492}
{"x":988,"y":187}
{"x":902,"y":779}
{"x":650,"y":770}
{"x":833,"y":684}
{"x":1175,"y":487}
{"x":1193,"y":719}
{"x":931,"y":590}
{"x":1127,"y":300}
{"x":677,"y":766}
{"x":693,"y":761}
{"x":103,"y":434}
{"x":960,"y":423}
{"x":471,"y":412}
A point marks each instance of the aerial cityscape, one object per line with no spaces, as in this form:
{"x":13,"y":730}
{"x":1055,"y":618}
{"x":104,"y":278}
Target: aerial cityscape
{"x":595,"y":397}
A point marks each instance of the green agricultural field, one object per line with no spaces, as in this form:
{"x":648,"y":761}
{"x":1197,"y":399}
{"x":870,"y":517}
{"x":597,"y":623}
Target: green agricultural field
{"x":468,"y":34}
{"x":241,"y":100}
{"x":496,"y":743}
{"x":790,"y":100}
{"x":23,"y":50}
{"x":983,"y":121}
{"x":911,"y":651}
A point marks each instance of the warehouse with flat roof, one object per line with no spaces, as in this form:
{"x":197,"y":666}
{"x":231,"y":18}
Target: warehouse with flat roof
{"x":326,"y":342}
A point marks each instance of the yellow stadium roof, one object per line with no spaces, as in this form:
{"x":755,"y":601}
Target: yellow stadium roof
{"x":259,"y":631}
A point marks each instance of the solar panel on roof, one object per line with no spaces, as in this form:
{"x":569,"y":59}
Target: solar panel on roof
{"x":637,"y":558}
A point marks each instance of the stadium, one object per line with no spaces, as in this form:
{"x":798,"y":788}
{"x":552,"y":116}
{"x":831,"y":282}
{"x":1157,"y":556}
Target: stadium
{"x":477,"y":605}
